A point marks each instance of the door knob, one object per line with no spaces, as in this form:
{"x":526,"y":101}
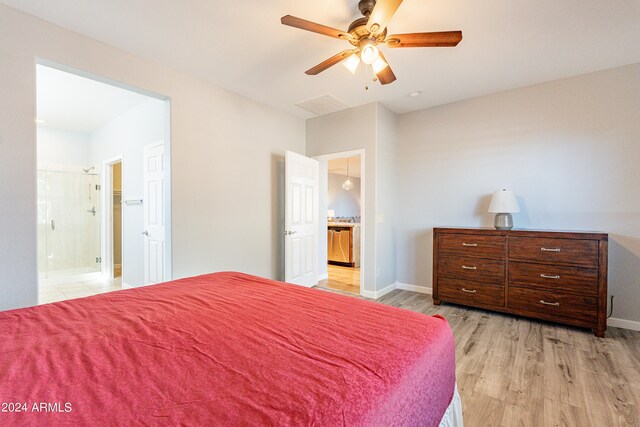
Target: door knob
{"x":289,"y":233}
{"x":146,"y":233}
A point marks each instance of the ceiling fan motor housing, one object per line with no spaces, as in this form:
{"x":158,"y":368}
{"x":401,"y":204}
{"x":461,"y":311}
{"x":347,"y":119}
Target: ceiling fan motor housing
{"x":366,"y":7}
{"x":358,"y":29}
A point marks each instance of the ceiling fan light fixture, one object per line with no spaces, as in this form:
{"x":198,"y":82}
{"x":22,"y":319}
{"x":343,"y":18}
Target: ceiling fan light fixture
{"x":369,"y":52}
{"x":366,"y":34}
{"x":351,"y":63}
{"x":378,"y":65}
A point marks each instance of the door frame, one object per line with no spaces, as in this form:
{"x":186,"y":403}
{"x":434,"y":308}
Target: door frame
{"x":323,"y":191}
{"x":107,"y":213}
{"x":168,"y":260}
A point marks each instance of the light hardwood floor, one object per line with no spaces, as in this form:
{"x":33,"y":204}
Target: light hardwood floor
{"x":346,"y":279}
{"x":514,"y":371}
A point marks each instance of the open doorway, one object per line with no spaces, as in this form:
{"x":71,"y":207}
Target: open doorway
{"x":342,"y":203}
{"x":90,"y":216}
{"x":116,"y":217}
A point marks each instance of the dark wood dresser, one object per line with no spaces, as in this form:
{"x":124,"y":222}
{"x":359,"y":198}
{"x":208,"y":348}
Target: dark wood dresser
{"x":549,"y":275}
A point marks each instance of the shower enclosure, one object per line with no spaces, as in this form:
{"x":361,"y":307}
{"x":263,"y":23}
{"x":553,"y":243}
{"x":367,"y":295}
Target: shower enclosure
{"x":68,"y":223}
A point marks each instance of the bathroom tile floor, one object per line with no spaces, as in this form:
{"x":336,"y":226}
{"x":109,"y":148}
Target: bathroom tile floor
{"x":65,"y":291}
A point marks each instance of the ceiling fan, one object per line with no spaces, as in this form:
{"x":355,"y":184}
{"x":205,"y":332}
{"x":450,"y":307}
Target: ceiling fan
{"x":365,"y":34}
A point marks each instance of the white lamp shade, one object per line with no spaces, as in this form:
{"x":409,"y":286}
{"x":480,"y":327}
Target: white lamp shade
{"x":504,"y":201}
{"x":331,"y":213}
{"x":351,"y":63}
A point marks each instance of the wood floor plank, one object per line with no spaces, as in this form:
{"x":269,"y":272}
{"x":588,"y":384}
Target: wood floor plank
{"x":563,"y":415}
{"x":482,"y":411}
{"x":525,"y":395}
{"x":341,"y":278}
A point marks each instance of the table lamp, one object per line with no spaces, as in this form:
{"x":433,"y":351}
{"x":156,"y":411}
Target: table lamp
{"x":504,"y":203}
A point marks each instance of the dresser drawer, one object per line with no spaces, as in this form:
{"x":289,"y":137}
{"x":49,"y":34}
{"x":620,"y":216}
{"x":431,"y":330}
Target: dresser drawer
{"x":473,"y":269}
{"x":470,"y":293}
{"x":551,"y":305}
{"x":473,"y":245}
{"x":555,"y":278}
{"x":583,"y":253}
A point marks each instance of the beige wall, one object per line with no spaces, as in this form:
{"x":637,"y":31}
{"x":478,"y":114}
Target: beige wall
{"x":570,"y":149}
{"x":343,"y":131}
{"x":223,"y":218}
{"x":387,"y":193}
{"x":370,"y":127}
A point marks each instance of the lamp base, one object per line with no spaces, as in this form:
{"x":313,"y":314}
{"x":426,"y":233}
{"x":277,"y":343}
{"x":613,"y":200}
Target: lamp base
{"x":503,"y":221}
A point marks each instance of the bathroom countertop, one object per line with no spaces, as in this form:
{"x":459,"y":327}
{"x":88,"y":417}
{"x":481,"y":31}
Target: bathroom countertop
{"x":343,"y":224}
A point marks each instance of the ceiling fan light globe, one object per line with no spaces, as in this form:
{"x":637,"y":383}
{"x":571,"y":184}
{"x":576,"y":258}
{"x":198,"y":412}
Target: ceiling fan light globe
{"x":351,"y":63}
{"x":369,"y":53}
{"x":378,"y":65}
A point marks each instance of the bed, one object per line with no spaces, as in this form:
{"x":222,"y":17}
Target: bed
{"x":227,"y":348}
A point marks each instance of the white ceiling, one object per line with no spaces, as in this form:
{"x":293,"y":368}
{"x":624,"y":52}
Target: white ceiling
{"x":241,"y":45}
{"x":70,"y":102}
{"x":339,"y":166}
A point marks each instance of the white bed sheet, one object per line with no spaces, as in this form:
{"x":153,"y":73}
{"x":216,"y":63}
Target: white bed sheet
{"x":453,"y":415}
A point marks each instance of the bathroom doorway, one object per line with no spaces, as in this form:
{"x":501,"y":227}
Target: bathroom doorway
{"x":91,"y":135}
{"x":116,"y":218}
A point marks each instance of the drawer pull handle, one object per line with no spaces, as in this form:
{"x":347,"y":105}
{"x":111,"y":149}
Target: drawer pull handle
{"x":473,"y":245}
{"x":466,"y":267}
{"x":548,"y":276}
{"x":469,"y":291}
{"x":550,"y":249}
{"x":555,"y":304}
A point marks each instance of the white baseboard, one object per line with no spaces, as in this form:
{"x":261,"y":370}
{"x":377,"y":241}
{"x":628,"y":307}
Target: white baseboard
{"x":624,"y":324}
{"x":126,"y":286}
{"x":414,"y":288}
{"x":378,"y":294}
{"x":323,"y":276}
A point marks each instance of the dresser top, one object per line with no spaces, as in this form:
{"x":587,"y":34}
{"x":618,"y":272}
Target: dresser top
{"x":517,"y":232}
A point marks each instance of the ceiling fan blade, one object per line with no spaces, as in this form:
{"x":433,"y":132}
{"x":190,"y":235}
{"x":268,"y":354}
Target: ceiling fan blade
{"x":439,"y":39}
{"x":330,"y":62}
{"x":382,"y":14}
{"x":386,"y":76}
{"x":303,"y":24}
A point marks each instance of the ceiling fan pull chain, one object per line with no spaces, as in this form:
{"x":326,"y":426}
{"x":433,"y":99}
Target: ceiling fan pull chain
{"x":368,"y":75}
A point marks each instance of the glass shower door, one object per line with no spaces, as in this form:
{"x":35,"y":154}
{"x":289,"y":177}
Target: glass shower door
{"x":69,"y":223}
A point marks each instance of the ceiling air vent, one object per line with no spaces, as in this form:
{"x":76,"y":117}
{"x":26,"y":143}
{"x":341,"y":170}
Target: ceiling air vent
{"x":323,"y":105}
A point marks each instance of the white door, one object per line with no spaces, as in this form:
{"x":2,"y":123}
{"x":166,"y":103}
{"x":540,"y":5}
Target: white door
{"x":301,"y":220}
{"x":153,"y":203}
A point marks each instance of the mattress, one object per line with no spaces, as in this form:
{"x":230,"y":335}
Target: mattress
{"x":227,"y":348}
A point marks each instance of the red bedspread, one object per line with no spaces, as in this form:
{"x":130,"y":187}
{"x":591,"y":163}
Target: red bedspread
{"x":224,"y":349}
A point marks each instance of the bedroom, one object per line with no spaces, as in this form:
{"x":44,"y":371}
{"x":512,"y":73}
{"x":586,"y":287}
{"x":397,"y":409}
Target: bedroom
{"x":563,"y":136}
